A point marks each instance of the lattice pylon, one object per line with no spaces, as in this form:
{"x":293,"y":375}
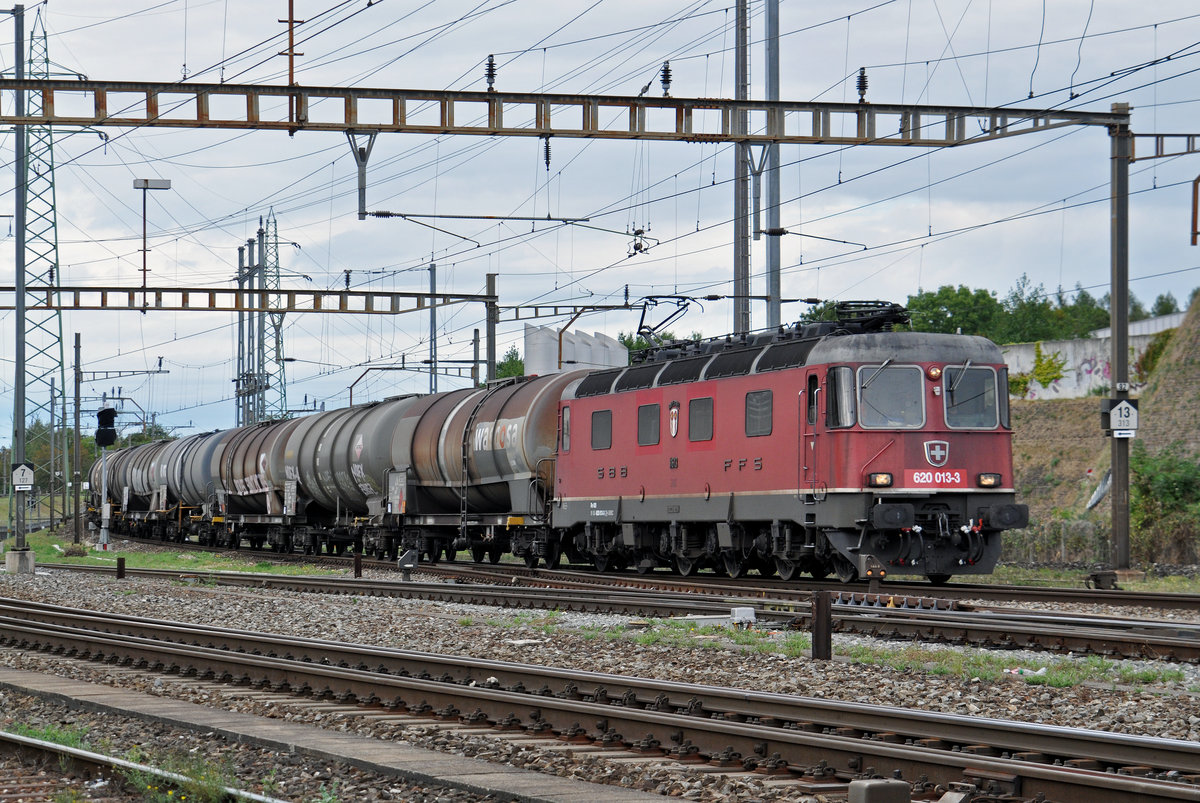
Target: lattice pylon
{"x":43,"y":329}
{"x":275,"y":401}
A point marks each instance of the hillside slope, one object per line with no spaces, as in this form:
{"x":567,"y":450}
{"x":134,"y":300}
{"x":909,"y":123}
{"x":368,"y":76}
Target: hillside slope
{"x":1060,"y":453}
{"x":1170,"y":404}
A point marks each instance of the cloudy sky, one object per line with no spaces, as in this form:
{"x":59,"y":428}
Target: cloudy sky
{"x":980,"y":215}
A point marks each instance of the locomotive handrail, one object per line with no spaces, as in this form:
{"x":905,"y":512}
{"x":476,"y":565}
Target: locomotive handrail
{"x":488,"y":392}
{"x":545,"y":498}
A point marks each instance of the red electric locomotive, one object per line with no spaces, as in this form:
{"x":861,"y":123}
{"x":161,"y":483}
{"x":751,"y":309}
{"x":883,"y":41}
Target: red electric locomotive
{"x":838,"y":447}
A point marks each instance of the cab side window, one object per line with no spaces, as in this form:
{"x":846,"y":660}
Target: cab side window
{"x":648,"y":425}
{"x":758,"y":413}
{"x":602,"y":429}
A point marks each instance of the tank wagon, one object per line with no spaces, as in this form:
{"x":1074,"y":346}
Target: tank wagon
{"x":842,"y":447}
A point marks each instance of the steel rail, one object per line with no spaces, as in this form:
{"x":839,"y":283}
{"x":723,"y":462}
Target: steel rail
{"x":86,"y":761}
{"x":882,"y":616}
{"x":696,"y":721}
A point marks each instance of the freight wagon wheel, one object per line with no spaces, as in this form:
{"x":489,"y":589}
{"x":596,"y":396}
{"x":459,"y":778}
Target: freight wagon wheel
{"x":477,"y":553}
{"x":531,"y":560}
{"x":451,"y":554}
{"x":494,"y":554}
{"x":939,"y":579}
{"x":686,"y":566}
{"x":601,"y":562}
{"x":787,"y":568}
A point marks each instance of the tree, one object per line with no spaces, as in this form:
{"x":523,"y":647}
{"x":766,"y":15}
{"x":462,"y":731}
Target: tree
{"x":1030,"y":315}
{"x":1087,"y":314}
{"x":1137,"y":310}
{"x":955,"y":309}
{"x":1165,"y":304}
{"x":511,"y":365}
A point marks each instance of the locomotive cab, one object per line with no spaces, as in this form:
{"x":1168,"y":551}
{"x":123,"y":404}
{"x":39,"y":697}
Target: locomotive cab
{"x":917,"y":433}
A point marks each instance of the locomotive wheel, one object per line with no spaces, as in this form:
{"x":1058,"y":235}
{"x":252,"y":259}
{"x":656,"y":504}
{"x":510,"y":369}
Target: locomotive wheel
{"x":686,"y":566}
{"x":939,"y":579}
{"x":477,"y":553}
{"x":787,"y":569}
{"x":735,"y":565}
{"x":494,"y":555}
{"x":846,"y":571}
{"x":553,"y":554}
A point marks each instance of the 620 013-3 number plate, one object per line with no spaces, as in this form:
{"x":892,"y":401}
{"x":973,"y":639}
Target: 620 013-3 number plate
{"x":935,"y":478}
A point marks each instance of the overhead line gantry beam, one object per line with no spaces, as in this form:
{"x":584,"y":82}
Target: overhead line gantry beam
{"x":242,"y":106}
{"x":192,"y":299}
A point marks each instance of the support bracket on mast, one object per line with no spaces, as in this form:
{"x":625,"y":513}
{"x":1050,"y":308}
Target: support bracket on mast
{"x":361,"y":154}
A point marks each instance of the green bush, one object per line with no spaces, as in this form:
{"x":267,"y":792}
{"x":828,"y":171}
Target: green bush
{"x":1144,"y":366}
{"x":1164,"y":505}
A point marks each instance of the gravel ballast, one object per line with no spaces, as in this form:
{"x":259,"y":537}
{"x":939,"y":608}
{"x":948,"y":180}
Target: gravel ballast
{"x":598,"y":643}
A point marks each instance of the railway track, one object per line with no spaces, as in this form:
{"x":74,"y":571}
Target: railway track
{"x":37,"y":771}
{"x":819,"y":745}
{"x":712,"y":584}
{"x":880,"y":615}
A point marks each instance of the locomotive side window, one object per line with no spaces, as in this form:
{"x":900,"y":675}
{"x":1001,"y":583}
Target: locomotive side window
{"x":890,"y":396}
{"x":814,"y":387}
{"x":648,"y":423}
{"x":700,"y":419}
{"x":1002,"y":397}
{"x":565,"y":433}
{"x":839,"y":402}
{"x":970,"y":395}
{"x":602,"y":429}
{"x":758,"y":413}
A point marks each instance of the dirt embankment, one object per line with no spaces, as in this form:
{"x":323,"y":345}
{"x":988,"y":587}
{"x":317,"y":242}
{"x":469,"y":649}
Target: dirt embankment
{"x":1060,"y":453}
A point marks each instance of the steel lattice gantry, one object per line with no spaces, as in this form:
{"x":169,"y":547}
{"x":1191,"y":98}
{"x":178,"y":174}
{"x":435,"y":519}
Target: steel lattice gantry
{"x":44,"y":371}
{"x":416,"y":111}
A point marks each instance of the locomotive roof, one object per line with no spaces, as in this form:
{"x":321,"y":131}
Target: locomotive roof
{"x":901,"y":346}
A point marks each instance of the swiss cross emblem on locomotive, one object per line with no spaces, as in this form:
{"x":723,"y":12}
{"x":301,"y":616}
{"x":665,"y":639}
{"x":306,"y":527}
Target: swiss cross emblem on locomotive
{"x":937,"y":453}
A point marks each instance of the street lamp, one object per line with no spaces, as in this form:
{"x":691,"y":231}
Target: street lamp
{"x":145,"y":184}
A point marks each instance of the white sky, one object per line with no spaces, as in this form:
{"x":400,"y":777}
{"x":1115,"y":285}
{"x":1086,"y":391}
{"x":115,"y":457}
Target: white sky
{"x":901,"y":203}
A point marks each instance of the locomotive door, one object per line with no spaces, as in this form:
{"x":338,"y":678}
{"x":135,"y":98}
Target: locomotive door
{"x":808,"y":433}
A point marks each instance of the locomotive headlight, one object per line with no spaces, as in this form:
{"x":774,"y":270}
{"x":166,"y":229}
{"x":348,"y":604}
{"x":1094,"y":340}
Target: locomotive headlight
{"x":880,"y":479}
{"x":988,"y":481}
{"x":934,"y":372}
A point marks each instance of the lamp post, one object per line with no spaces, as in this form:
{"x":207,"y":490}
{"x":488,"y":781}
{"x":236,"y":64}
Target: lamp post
{"x":145,"y":184}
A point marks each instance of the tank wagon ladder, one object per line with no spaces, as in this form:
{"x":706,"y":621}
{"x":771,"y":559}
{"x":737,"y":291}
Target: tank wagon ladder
{"x":466,"y":447}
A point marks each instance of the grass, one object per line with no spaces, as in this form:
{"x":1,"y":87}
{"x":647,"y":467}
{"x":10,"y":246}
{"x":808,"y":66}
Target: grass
{"x":206,"y":780}
{"x":68,"y":737}
{"x":43,"y":543}
{"x":1018,"y":575}
{"x":987,"y":666}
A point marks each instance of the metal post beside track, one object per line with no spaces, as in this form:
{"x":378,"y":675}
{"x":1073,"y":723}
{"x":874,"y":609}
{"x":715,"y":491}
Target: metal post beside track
{"x":822,"y":626}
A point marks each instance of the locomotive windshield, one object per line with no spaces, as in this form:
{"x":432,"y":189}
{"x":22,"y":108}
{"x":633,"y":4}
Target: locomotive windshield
{"x":970,"y":395}
{"x":890,"y":396}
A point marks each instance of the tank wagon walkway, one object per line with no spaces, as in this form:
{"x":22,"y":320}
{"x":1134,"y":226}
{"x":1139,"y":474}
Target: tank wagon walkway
{"x":373,"y":755}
